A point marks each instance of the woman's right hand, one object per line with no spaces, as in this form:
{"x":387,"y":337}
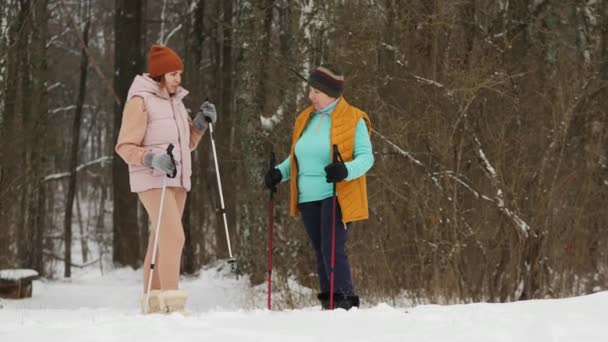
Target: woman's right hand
{"x":159,"y":161}
{"x":272,"y":178}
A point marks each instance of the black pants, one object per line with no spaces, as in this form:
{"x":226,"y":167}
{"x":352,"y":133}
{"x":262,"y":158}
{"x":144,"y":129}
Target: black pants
{"x":317,"y":217}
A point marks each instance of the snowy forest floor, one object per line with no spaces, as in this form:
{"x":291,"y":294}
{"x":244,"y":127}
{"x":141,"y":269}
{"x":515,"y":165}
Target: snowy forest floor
{"x":95,"y":307}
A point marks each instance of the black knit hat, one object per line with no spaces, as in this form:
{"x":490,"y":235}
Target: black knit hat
{"x":328,"y":79}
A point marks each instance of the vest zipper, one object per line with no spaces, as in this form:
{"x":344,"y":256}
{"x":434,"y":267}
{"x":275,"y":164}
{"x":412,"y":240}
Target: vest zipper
{"x":179,"y":139}
{"x":319,"y":124}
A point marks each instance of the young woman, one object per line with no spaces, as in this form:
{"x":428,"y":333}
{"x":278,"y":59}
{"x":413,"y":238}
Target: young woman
{"x":329,"y":121}
{"x":154,"y":117}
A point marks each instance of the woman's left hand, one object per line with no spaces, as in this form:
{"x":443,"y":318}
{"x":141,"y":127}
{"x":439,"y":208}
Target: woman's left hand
{"x":336,"y":172}
{"x":206,"y":115}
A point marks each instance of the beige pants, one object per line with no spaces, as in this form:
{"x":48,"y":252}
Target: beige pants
{"x":170,"y":240}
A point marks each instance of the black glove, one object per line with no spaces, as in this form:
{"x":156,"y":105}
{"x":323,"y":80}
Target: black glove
{"x":272,"y":178}
{"x":336,"y":172}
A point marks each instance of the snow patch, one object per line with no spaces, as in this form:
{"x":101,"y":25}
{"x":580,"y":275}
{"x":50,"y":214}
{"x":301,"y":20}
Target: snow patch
{"x":17,"y":274}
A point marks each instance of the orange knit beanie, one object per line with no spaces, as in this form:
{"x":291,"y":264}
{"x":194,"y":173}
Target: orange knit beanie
{"x":162,"y":60}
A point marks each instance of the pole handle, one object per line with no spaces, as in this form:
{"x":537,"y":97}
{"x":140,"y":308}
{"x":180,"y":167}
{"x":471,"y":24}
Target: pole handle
{"x":170,"y":153}
{"x":273,"y":162}
{"x":206,"y":118}
{"x":336,"y":155}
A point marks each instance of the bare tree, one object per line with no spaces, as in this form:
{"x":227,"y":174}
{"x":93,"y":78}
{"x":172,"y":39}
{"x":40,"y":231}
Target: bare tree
{"x":128,"y":62}
{"x":75,"y":141}
{"x":23,"y":108}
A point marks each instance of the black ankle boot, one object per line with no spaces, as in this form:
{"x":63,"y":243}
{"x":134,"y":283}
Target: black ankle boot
{"x":340,"y":301}
{"x":345,"y":302}
{"x":324,"y":299}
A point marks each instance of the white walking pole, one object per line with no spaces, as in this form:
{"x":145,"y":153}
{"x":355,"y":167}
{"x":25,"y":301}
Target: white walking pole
{"x":157,"y":232}
{"x":231,"y":260}
{"x":155,"y":246}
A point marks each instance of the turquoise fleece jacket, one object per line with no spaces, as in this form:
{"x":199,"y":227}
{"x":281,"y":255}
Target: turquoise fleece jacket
{"x":313,"y":154}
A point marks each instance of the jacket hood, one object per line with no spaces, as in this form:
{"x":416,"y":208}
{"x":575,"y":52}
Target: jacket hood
{"x":143,"y":84}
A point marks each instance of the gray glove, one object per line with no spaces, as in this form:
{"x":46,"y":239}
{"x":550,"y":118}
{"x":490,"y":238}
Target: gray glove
{"x":159,"y":161}
{"x":205,"y":115}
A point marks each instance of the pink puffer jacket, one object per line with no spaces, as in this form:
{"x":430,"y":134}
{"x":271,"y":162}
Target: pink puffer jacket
{"x":151,"y":127}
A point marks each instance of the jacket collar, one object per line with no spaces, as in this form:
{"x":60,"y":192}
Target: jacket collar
{"x":143,"y":83}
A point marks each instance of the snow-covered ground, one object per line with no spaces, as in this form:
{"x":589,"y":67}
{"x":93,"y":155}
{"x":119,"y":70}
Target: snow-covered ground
{"x":92,"y":307}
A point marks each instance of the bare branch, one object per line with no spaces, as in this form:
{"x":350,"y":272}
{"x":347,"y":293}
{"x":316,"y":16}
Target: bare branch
{"x":58,"y":176}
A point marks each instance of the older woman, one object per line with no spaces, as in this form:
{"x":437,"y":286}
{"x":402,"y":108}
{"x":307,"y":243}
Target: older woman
{"x":329,"y":121}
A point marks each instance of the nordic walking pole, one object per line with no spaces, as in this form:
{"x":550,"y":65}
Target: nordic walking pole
{"x":231,"y":260}
{"x":157,"y":232}
{"x":273,"y":190}
{"x":336,"y":157}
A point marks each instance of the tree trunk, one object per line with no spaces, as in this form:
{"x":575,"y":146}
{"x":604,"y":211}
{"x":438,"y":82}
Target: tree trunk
{"x":199,"y":212}
{"x":38,"y":107}
{"x":7,"y":118}
{"x":21,"y":131}
{"x":604,"y":43}
{"x":263,"y":70}
{"x":67,"y":223}
{"x":128,"y":60}
{"x":12,"y":171}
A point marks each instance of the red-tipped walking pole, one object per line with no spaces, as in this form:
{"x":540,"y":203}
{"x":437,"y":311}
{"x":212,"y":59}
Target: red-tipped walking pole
{"x":270,"y":227}
{"x":336,"y":157}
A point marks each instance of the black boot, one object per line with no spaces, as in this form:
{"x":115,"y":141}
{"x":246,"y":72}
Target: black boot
{"x":324,"y":299}
{"x":345,"y":302}
{"x":340,"y":301}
